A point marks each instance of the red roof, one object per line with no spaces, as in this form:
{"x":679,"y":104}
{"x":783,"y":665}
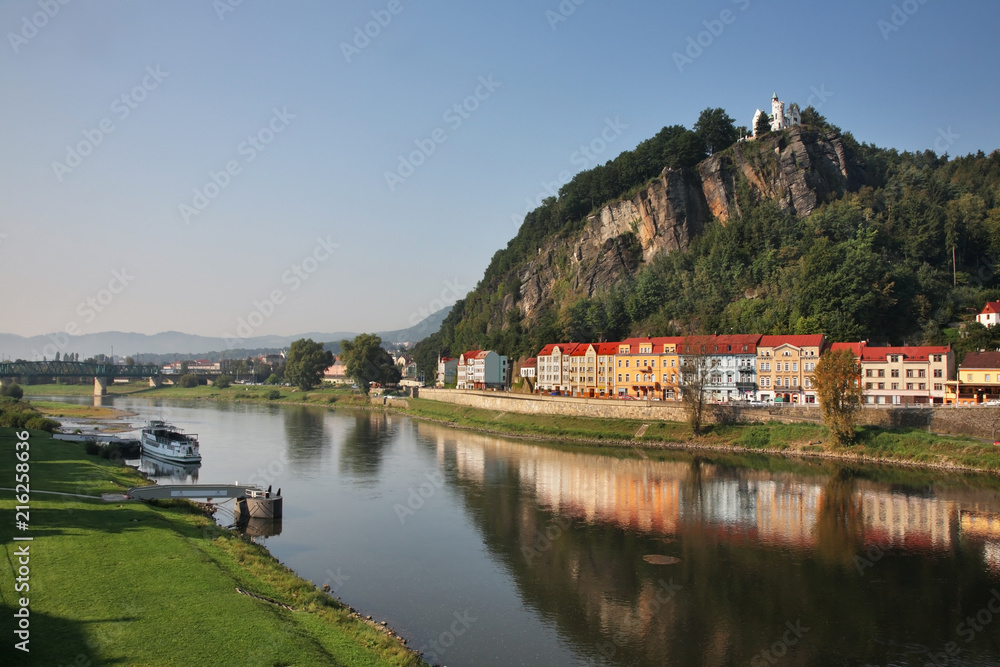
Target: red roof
{"x":983,"y":360}
{"x":811,"y":340}
{"x":565,"y":348}
{"x":856,"y":348}
{"x":908,"y":353}
{"x":530,"y":363}
{"x":728,"y":344}
{"x":991,"y":307}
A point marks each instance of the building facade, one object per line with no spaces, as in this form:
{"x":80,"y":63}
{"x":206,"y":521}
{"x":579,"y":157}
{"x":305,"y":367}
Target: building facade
{"x":482,"y":369}
{"x":990,"y":317}
{"x":785,"y":367}
{"x":906,"y":375}
{"x":447,"y":371}
{"x":977,"y":381}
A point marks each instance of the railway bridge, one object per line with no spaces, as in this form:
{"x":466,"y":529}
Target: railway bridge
{"x":101,"y":372}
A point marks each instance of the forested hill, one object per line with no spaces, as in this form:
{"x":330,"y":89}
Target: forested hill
{"x":799,"y":231}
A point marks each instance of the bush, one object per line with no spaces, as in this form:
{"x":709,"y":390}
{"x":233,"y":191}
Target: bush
{"x":224,"y":381}
{"x":41,"y":424}
{"x":92,"y":448}
{"x":273,"y":395}
{"x":273,"y":379}
{"x":13,"y":390}
{"x":188,"y":381}
{"x":111,"y":452}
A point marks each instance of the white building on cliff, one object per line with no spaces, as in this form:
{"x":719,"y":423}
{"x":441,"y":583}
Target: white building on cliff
{"x":779,"y":118}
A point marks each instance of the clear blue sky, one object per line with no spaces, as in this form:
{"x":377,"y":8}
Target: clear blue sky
{"x":553,"y":87}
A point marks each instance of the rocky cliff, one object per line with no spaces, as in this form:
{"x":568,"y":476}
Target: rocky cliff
{"x":799,"y":169}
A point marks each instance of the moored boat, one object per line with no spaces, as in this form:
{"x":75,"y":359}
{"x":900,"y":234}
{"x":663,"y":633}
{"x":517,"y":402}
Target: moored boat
{"x":167,"y":443}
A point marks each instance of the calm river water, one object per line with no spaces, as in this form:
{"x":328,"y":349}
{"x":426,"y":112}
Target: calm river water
{"x":489,"y":551}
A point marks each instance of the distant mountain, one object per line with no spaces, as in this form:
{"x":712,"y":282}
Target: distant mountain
{"x":174,"y":342}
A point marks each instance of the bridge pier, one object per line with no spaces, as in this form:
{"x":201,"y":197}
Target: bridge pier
{"x":155,"y":381}
{"x":6,"y":381}
{"x":100,"y":386}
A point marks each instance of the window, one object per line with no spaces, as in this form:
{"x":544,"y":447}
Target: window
{"x":627,"y":376}
{"x":881,"y":372}
{"x":894,"y":372}
{"x":987,"y":377}
{"x":937,"y":358}
{"x":921,"y":373}
{"x":869,"y":373}
{"x":938,"y":386}
{"x":938,"y":373}
{"x":664,"y":377}
{"x":619,"y":377}
{"x":881,"y":385}
{"x":619,"y":363}
{"x":795,"y":382}
{"x":923,"y":386}
{"x":795,"y":366}
{"x":970,"y":377}
{"x":895,"y":386}
{"x":868,"y":385}
{"x":909,"y":386}
{"x":909,"y":373}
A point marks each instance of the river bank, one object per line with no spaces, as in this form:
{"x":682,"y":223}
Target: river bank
{"x":141,"y":583}
{"x":901,"y":446}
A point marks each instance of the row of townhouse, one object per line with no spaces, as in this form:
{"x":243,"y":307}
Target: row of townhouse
{"x":735,"y":367}
{"x":482,"y":369}
{"x":776,"y":369}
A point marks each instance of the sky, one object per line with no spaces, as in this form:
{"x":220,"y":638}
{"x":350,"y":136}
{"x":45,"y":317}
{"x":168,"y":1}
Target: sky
{"x":224,"y":167}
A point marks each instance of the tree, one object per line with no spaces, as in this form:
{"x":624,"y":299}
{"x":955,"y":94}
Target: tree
{"x":130,"y":362}
{"x":368,"y":362}
{"x":694,"y":387}
{"x":306,"y":362}
{"x":188,"y":380}
{"x":272,"y":379}
{"x":13,"y":390}
{"x":184,"y":367}
{"x":224,"y":381}
{"x":838,"y":388}
{"x":810,"y":116}
{"x":763,"y":125}
{"x":716,"y":130}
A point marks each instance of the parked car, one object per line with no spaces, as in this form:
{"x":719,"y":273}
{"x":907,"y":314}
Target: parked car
{"x":993,"y":402}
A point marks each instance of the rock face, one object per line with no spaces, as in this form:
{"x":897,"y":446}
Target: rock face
{"x":799,"y":169}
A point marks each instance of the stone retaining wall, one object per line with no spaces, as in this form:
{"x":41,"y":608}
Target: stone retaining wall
{"x":980,"y":422}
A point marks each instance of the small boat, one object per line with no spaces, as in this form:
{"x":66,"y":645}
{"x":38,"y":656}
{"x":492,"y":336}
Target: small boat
{"x":167,"y":443}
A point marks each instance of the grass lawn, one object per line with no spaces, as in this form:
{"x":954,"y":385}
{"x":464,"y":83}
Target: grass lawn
{"x":137,"y":584}
{"x":81,"y":389}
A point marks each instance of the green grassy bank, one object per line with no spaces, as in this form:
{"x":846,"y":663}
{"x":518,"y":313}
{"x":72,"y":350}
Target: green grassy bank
{"x":913,"y":447}
{"x":137,"y":584}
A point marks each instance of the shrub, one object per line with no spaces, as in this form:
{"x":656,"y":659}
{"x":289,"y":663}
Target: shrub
{"x":274,"y":394}
{"x":13,"y":390}
{"x":224,"y":381}
{"x":92,"y":448}
{"x":188,"y":381}
{"x":273,"y":379}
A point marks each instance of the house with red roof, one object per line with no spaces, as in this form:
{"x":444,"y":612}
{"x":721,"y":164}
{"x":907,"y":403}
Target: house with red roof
{"x":906,"y":375}
{"x":978,"y":380}
{"x":553,"y":367}
{"x":482,"y":369}
{"x":785,"y":366}
{"x":990,"y":317}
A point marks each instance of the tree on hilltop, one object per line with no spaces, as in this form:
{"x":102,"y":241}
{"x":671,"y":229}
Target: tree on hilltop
{"x":716,"y":130}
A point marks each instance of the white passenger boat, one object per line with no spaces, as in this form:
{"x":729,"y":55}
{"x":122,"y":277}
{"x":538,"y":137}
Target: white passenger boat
{"x":165,"y":442}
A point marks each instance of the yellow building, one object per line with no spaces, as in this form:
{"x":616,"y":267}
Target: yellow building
{"x":785,"y":366}
{"x":647,"y":368}
{"x":978,"y":380}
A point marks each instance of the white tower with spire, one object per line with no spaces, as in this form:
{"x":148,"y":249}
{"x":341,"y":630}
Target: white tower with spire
{"x":779,"y":118}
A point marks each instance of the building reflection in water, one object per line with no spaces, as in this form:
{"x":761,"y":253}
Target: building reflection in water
{"x":574,"y":528}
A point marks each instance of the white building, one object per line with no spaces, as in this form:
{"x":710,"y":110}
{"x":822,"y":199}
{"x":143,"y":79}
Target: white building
{"x":447,"y":372}
{"x":779,"y":118}
{"x":990,"y":317}
{"x":482,"y":369}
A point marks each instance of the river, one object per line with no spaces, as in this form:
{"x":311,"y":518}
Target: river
{"x":482,"y":550}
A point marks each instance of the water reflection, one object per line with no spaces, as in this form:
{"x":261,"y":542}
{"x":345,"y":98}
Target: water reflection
{"x":171,"y":473}
{"x":849,"y":556}
{"x":305,"y":433}
{"x":365,"y":444}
